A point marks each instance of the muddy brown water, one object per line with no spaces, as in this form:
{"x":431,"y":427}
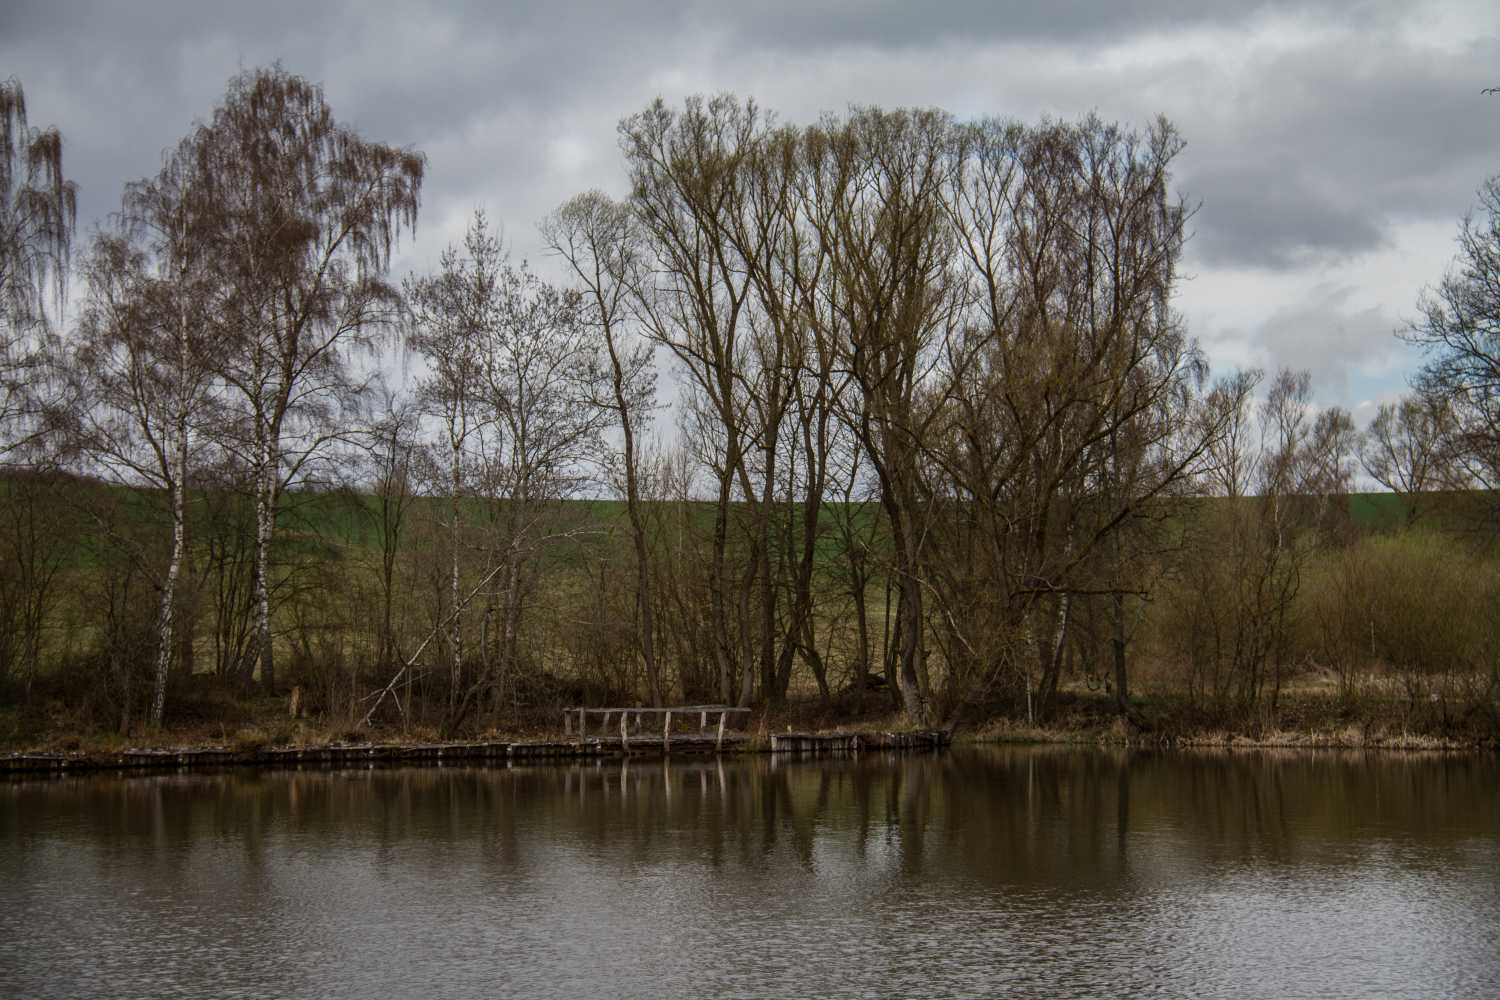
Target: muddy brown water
{"x":975,"y":872}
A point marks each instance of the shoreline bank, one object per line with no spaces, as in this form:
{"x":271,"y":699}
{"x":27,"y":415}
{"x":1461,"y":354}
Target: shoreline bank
{"x":818,"y":743}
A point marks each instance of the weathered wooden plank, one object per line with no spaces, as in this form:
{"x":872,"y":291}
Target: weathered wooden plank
{"x":644,"y":710}
{"x":815,"y":742}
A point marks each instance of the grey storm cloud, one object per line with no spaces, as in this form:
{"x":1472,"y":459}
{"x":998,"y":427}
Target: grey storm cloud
{"x":1314,"y":131}
{"x":1332,"y":147}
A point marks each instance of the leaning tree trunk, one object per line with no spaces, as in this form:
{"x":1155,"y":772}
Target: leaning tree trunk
{"x":178,"y":486}
{"x":164,"y":620}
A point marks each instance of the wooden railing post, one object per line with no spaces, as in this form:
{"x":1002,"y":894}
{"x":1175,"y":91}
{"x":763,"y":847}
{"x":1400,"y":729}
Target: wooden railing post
{"x":666,"y":733}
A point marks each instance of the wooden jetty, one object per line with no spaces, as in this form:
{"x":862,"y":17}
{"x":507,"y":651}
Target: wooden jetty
{"x":631,"y":718}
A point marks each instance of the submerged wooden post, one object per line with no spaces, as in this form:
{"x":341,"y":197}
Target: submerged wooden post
{"x":666,"y":733}
{"x":719,"y":743}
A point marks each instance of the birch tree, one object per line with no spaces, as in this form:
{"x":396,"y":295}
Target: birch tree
{"x":140,"y":363}
{"x":38,"y":208}
{"x":309,"y":213}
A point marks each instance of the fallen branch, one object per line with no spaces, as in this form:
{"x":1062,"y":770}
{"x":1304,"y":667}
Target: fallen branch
{"x":438,"y":628}
{"x":433,"y":634}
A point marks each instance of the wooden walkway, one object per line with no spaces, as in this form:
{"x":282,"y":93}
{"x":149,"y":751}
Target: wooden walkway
{"x":631,"y":718}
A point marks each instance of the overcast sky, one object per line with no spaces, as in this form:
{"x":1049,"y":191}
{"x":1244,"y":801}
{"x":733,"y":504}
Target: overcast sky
{"x":1333,"y":147}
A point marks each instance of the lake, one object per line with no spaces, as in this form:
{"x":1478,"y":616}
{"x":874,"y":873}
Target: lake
{"x":980,"y":871}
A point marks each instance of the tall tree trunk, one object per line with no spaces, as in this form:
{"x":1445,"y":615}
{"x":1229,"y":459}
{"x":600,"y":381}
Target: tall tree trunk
{"x":265,"y":516}
{"x":770,"y":690}
{"x":1052,"y":642}
{"x":164,"y":619}
{"x":915,"y":696}
{"x":455,"y":627}
{"x":644,"y":597}
{"x":909,"y":667}
{"x":186,"y":626}
{"x":718,"y":609}
{"x":1117,"y":645}
{"x":178,"y":486}
{"x":857,"y":587}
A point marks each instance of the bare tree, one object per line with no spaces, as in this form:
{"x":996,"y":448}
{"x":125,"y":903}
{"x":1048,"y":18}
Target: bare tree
{"x":600,"y":240}
{"x":687,"y":183}
{"x":143,"y":378}
{"x":38,"y":207}
{"x":1073,"y":388}
{"x":1253,"y":552}
{"x":879,"y":179}
{"x":142,"y":363}
{"x":1230,"y":467}
{"x":391,"y":442}
{"x":541,"y":373}
{"x":308,"y":214}
{"x":1459,"y":333}
{"x":1406,"y":447}
{"x":452,"y":317}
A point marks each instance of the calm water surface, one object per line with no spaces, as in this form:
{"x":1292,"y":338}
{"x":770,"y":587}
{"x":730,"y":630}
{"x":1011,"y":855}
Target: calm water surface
{"x":1007,"y":872}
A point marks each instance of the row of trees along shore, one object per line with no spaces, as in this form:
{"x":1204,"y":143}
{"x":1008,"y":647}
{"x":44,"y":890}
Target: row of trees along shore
{"x":933,"y":438}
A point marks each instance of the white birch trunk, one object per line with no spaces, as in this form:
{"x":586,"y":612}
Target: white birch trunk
{"x":455,"y":635}
{"x":264,"y":516}
{"x":165,"y":616}
{"x":165,"y":621}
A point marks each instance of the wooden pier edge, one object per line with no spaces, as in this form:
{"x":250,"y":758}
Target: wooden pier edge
{"x":570,"y":746}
